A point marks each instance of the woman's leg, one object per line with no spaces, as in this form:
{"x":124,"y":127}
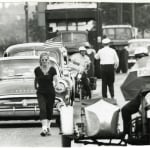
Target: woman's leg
{"x":49,"y":110}
{"x":43,"y":114}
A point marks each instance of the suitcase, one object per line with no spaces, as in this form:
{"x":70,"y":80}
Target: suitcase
{"x":102,"y":119}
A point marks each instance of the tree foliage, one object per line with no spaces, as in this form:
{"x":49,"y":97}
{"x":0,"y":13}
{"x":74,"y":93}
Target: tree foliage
{"x":36,"y":33}
{"x":143,"y":18}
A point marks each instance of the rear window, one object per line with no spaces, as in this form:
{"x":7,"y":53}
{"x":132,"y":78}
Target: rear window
{"x":20,"y":68}
{"x":71,"y":37}
{"x":118,"y":33}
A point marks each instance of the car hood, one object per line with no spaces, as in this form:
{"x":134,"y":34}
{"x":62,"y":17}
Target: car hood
{"x":17,"y":87}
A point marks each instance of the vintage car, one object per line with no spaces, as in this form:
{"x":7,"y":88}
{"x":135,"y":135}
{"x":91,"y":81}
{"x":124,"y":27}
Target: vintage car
{"x":35,"y":49}
{"x":135,"y":44}
{"x":17,"y":94}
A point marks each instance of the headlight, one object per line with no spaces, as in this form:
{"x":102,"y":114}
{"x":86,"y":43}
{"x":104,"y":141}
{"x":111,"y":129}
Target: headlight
{"x":61,"y":86}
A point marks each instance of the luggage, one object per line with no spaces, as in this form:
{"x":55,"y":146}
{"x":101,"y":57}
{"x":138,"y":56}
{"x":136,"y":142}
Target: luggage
{"x":101,"y":119}
{"x":66,"y":117}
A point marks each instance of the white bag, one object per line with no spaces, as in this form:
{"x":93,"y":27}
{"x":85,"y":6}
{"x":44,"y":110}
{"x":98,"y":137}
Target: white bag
{"x":66,"y":117}
{"x":101,"y":119}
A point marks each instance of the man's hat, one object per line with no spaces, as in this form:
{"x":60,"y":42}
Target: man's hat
{"x":106,"y":41}
{"x":82,"y":48}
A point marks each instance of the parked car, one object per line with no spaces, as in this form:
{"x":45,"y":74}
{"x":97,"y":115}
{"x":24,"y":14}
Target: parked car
{"x":135,"y":44}
{"x":35,"y":49}
{"x":17,"y":94}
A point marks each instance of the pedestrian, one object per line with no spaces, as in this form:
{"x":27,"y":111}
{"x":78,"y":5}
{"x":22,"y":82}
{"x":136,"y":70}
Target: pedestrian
{"x":45,"y":74}
{"x":82,"y":63}
{"x":108,"y":63}
{"x":91,"y":54}
{"x":133,"y":106}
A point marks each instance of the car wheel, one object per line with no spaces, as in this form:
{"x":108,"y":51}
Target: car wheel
{"x":66,"y":141}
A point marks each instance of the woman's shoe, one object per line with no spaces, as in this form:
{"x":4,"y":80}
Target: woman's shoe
{"x":48,"y":131}
{"x":43,"y":133}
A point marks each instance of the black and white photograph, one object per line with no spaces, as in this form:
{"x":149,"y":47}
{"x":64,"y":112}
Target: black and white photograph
{"x":74,"y":73}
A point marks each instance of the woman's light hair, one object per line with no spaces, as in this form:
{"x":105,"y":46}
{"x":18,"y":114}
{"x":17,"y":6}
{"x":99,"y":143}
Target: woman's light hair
{"x":42,"y":55}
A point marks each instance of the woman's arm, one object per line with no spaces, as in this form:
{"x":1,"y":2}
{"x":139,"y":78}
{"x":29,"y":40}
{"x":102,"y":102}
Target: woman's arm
{"x":55,"y":80}
{"x":35,"y":83}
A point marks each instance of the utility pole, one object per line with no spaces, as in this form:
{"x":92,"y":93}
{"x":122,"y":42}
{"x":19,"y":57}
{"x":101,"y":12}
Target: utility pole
{"x":120,"y":13}
{"x":133,"y":14}
{"x":26,"y":21}
{"x":99,"y":25}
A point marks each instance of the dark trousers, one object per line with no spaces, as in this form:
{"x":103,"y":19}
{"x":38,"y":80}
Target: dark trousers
{"x":108,"y":78}
{"x":46,"y":102}
{"x":129,"y":109}
{"x":86,"y":84}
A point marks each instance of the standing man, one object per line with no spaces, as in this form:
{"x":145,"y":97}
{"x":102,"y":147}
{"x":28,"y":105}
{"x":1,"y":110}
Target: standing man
{"x":109,"y":61}
{"x":91,"y":53}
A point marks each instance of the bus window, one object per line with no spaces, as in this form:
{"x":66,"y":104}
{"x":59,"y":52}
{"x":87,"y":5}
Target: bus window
{"x":72,"y":26}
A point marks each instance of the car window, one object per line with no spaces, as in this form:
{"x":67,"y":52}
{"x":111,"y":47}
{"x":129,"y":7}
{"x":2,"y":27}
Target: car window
{"x":118,"y":33}
{"x":23,"y":53}
{"x":79,"y":37}
{"x":71,"y":37}
{"x":20,"y":68}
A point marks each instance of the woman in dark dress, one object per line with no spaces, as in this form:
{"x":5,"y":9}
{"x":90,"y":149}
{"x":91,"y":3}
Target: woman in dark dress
{"x":44,"y":77}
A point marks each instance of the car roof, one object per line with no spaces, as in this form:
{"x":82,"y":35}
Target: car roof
{"x":138,"y":40}
{"x":24,"y":58}
{"x":116,"y":26}
{"x":23,"y":45}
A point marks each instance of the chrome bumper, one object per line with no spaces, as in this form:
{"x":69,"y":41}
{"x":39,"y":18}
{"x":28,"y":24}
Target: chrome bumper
{"x":12,"y":108}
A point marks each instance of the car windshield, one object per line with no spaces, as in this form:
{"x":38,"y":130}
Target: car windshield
{"x":71,"y":37}
{"x":118,"y":33}
{"x":15,"y":68}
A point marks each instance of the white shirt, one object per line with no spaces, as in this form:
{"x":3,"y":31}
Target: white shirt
{"x":107,"y":55}
{"x":80,"y":61}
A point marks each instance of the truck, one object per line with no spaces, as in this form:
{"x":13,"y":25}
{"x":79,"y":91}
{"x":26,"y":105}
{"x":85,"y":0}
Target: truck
{"x":120,"y":35}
